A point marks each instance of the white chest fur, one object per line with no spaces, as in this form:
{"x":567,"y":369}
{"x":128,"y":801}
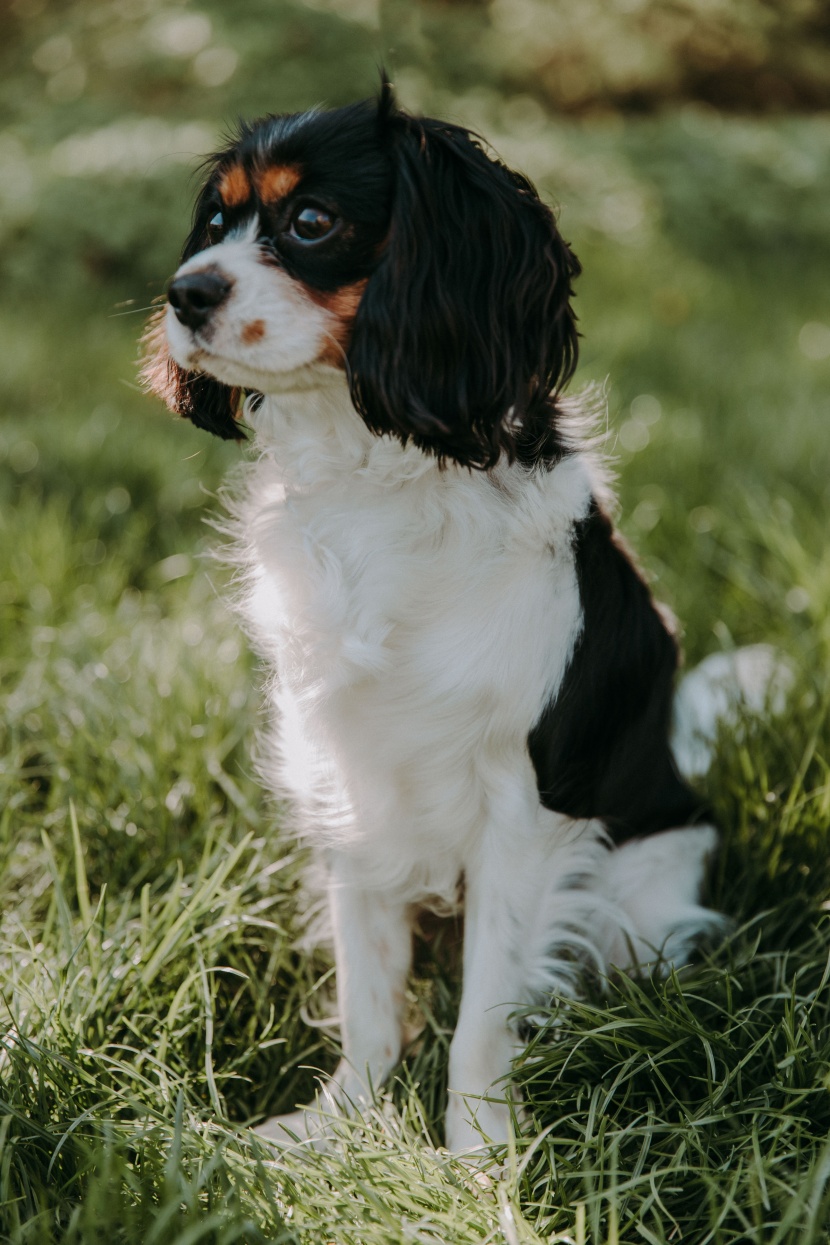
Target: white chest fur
{"x":417,"y":620}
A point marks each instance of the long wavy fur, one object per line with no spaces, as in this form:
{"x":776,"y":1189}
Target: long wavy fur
{"x":465,"y":333}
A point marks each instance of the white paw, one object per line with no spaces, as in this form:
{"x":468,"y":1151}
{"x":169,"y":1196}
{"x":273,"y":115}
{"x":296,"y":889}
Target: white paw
{"x":310,"y":1127}
{"x":474,"y":1126}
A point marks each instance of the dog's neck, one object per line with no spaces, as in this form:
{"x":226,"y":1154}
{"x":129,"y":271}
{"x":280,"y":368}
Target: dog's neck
{"x":315,"y":437}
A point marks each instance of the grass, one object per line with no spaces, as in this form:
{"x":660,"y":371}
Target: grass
{"x":154,"y":998}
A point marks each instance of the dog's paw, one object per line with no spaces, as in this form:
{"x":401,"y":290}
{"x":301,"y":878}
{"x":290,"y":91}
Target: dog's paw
{"x":307,"y":1128}
{"x":476,"y":1127}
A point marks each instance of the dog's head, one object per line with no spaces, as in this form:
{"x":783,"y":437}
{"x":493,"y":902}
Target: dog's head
{"x":388,"y":246}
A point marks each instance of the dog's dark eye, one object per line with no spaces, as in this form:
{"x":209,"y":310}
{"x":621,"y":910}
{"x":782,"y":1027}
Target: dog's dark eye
{"x":215,"y":229}
{"x":311,"y":224}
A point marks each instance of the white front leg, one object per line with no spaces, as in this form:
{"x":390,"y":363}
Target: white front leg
{"x":372,"y":952}
{"x":509,"y":926}
{"x":520,"y":905}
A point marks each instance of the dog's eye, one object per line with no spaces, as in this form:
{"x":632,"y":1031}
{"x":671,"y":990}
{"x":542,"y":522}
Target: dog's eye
{"x":215,"y":229}
{"x":311,"y":224}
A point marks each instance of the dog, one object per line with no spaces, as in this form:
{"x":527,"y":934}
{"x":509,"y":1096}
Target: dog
{"x":472,"y":685}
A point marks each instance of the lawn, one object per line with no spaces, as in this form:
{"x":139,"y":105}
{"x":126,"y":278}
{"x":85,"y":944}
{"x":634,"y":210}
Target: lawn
{"x":153,"y":996}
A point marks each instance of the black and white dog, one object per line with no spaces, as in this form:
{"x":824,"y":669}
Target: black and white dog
{"x":472,"y":684}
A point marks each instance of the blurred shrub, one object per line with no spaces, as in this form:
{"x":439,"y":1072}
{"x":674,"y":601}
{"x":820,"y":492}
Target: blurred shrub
{"x":639,"y":54}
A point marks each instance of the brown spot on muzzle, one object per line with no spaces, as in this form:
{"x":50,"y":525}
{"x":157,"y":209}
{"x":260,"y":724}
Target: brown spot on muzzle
{"x":253,"y":332}
{"x":277,"y":181}
{"x":234,"y":186}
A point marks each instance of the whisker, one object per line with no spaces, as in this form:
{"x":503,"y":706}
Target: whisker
{"x":339,"y":346}
{"x":194,"y":376}
{"x":134,"y":311}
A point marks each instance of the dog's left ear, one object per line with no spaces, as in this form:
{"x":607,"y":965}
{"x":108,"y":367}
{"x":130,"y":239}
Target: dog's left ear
{"x":196,"y":396}
{"x":465,"y":329}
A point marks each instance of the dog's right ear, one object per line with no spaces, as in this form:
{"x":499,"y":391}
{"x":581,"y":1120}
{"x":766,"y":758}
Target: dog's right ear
{"x":194,"y":395}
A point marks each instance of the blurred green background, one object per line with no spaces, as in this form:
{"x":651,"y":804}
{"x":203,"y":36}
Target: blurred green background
{"x":686,"y":144}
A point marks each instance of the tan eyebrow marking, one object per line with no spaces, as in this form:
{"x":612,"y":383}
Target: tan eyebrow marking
{"x":234,"y":186}
{"x":277,"y":181}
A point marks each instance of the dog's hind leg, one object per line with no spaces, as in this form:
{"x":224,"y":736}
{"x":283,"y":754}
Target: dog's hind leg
{"x":657,"y":882}
{"x":654,"y":886}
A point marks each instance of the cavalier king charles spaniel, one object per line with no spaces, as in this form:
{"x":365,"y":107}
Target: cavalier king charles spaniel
{"x":472,"y":685}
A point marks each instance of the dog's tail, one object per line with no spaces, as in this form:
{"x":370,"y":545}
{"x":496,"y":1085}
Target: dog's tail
{"x":754,"y":679}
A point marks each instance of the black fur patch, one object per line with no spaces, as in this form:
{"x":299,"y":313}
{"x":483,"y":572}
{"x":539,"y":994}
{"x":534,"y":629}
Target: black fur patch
{"x":465,"y":332}
{"x":601,"y":748}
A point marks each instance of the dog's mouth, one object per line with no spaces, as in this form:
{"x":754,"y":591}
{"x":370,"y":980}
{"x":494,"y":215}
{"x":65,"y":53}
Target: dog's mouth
{"x":195,"y":351}
{"x":245,"y":376}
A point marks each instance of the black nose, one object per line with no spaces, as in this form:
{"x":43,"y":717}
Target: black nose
{"x":194,"y":295}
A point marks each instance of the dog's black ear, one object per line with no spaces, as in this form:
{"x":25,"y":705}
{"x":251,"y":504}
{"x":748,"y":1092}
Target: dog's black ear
{"x":465,"y":329}
{"x":196,"y":396}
